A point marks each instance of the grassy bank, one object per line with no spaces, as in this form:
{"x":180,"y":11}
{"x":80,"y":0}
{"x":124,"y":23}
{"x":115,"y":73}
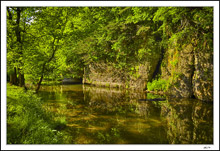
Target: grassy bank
{"x":27,"y":121}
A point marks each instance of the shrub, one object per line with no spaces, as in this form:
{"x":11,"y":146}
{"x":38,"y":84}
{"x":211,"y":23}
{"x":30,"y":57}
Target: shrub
{"x":158,"y":85}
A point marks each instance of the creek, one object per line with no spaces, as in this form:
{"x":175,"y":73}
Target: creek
{"x":94,"y":115}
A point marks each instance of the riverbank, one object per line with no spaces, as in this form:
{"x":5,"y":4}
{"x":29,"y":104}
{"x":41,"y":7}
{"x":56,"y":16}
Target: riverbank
{"x":27,"y":121}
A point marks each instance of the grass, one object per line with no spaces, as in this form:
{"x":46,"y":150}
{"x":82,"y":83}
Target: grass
{"x":27,"y":121}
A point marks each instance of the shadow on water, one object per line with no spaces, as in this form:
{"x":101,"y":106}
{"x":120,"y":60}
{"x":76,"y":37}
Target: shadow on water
{"x":112,"y":116}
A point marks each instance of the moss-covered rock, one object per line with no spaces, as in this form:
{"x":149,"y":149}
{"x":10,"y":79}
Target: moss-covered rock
{"x":203,"y":75}
{"x":178,"y":68}
{"x":189,"y":72}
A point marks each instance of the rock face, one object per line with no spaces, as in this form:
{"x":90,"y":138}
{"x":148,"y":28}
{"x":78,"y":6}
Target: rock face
{"x":101,"y":74}
{"x":188,"y":71}
{"x":203,"y":76}
{"x":178,"y":68}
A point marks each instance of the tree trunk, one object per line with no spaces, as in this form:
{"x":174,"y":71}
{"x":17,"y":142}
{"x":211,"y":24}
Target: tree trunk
{"x":18,"y":35}
{"x":18,"y":32}
{"x":39,"y":83}
{"x":44,"y":65}
{"x":21,"y":79}
{"x":41,"y":78}
{"x":13,"y":77}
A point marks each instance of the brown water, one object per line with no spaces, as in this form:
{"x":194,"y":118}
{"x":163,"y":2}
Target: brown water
{"x":94,"y":115}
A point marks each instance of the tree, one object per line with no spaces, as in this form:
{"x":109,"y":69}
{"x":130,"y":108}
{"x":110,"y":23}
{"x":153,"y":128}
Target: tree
{"x":14,"y":45}
{"x":46,"y":41}
{"x":48,"y":30}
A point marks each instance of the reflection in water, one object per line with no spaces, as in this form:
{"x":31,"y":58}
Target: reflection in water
{"x":188,"y":121}
{"x":111,"y":116}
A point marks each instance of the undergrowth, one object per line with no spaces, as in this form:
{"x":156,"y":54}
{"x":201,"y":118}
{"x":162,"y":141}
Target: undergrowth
{"x":158,"y":85}
{"x":27,"y":121}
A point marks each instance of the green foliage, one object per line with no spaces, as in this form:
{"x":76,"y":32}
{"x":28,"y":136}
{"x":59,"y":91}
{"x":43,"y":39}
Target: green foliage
{"x":174,"y":62}
{"x":164,"y":85}
{"x":27,"y":121}
{"x":61,"y":41}
{"x":117,"y":39}
{"x":182,"y":24}
{"x":158,"y":85}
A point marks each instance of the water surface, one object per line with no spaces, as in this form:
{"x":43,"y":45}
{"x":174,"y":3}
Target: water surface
{"x":111,"y":116}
